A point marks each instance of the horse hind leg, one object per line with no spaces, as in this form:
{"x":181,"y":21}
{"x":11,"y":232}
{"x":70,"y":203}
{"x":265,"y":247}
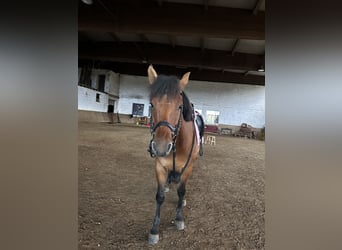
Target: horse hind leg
{"x":179,"y":210}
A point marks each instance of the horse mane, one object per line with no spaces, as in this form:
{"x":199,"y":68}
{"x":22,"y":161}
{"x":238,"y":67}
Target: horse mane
{"x":169,"y":85}
{"x":187,"y":108}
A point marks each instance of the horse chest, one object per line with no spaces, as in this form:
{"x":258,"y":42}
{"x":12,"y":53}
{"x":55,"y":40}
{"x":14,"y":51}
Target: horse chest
{"x":165,"y":162}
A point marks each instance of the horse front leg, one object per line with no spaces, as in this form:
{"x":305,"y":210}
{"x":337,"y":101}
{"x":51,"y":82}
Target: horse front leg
{"x":153,"y":237}
{"x":181,"y":202}
{"x":167,"y":184}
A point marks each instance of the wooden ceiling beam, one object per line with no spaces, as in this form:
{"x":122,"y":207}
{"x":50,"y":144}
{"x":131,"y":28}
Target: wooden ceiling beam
{"x":114,"y":37}
{"x":196,"y":74}
{"x":165,"y":55}
{"x":169,"y":19}
{"x":143,"y":38}
{"x":203,"y":43}
{"x":141,"y":56}
{"x":173,"y":41}
{"x":236,"y":44}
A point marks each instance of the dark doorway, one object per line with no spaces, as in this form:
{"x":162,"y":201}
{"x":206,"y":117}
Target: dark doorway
{"x":102,"y":80}
{"x":111,"y":104}
{"x":110,"y":109}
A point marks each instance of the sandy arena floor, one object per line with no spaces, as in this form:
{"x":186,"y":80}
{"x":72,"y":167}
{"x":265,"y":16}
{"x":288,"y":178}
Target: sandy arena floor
{"x":225,"y":194}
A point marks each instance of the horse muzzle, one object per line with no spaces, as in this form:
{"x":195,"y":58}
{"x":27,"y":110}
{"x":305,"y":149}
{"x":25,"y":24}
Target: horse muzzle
{"x":160,"y":150}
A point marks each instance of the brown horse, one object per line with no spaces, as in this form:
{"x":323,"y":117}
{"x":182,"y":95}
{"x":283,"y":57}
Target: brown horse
{"x":175,"y":142}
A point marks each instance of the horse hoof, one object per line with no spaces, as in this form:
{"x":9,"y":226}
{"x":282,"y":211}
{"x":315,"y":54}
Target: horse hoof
{"x":153,"y":239}
{"x":179,"y":225}
{"x":166,"y":189}
{"x":184,"y":203}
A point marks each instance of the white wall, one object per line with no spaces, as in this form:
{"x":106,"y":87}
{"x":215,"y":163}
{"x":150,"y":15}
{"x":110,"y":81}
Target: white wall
{"x":133,"y":89}
{"x":87,"y":100}
{"x":237,"y":103}
{"x":87,"y":96}
{"x":111,"y":83}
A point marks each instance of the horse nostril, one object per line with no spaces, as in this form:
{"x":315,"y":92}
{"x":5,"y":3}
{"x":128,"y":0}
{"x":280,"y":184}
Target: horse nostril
{"x":169,"y":147}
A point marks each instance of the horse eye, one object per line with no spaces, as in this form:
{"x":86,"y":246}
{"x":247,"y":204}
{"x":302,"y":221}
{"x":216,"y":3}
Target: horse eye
{"x":151,"y":105}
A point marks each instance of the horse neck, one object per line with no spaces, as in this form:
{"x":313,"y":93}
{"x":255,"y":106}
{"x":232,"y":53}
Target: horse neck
{"x":185,"y":134}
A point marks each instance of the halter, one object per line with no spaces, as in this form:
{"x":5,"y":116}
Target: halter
{"x":174,"y":133}
{"x":174,"y":130}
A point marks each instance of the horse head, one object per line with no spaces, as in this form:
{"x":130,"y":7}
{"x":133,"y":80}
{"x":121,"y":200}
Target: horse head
{"x":167,"y":108}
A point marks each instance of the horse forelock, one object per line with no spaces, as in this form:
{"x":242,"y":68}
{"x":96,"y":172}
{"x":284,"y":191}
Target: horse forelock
{"x":165,"y":85}
{"x":169,"y":86}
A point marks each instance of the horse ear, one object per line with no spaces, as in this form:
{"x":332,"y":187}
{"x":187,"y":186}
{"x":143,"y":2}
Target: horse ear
{"x":184,"y":81}
{"x":152,"y":74}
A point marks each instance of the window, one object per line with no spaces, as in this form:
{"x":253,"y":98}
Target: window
{"x":97,"y":97}
{"x":212,"y":117}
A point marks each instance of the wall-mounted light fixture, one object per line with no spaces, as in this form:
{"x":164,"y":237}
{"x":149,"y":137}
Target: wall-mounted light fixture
{"x":261,"y":69}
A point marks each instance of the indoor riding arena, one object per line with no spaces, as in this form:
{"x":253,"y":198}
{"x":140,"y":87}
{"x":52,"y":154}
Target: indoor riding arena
{"x":225,"y":194}
{"x":219,"y":49}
